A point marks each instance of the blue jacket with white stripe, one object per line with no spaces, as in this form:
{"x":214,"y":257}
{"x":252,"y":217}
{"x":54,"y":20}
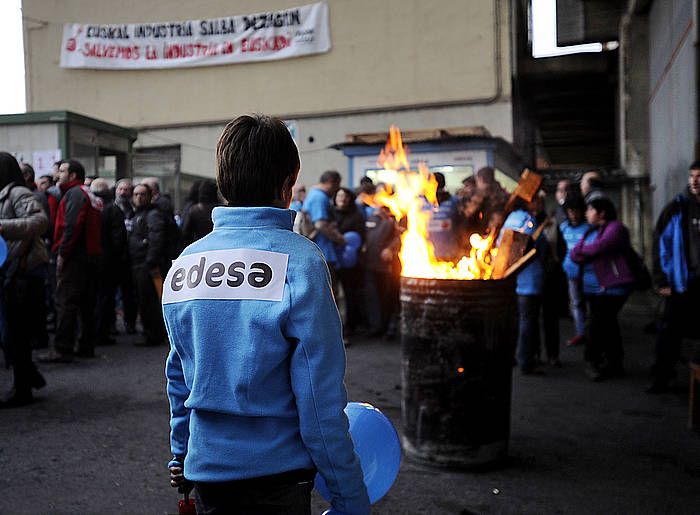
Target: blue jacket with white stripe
{"x":256,"y":365}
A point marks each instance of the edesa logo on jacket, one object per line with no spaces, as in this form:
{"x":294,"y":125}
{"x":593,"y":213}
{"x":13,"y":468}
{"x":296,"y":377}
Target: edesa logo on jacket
{"x":232,"y":274}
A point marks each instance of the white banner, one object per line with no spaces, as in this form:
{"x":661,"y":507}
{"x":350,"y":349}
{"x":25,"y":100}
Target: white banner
{"x":254,"y":37}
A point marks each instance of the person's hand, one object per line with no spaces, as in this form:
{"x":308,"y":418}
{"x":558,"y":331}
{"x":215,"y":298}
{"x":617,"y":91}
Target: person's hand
{"x":59,"y":263}
{"x":665,"y":291}
{"x":387,"y":255}
{"x":178,"y":480}
{"x":155,"y":272}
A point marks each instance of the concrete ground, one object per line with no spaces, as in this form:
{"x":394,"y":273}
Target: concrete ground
{"x":97,"y":440}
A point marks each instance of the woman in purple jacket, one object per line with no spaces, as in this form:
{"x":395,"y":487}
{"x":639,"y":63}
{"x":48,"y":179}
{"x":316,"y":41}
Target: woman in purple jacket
{"x":607,"y":282}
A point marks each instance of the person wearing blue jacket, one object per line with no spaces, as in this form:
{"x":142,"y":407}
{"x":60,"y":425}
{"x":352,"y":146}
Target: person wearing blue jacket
{"x":529,"y":287}
{"x":573,"y":230}
{"x":676,"y":254}
{"x":256,"y":364}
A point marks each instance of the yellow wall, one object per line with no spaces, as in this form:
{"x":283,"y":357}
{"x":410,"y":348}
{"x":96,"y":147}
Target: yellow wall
{"x":384,"y":53}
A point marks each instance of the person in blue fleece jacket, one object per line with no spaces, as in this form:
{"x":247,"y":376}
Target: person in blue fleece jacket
{"x":256,"y":364}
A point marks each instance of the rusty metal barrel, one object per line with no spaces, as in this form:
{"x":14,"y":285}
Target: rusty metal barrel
{"x":457,"y":340}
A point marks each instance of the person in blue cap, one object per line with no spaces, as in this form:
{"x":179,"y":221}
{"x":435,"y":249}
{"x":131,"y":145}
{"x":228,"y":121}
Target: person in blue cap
{"x":256,"y":364}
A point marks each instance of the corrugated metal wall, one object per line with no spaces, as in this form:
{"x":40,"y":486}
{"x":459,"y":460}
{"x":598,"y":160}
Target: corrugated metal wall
{"x":672,"y":100}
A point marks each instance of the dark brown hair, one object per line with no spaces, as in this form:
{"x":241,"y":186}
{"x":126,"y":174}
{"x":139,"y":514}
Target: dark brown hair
{"x":256,"y":161}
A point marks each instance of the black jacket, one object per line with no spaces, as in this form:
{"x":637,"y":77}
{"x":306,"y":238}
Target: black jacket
{"x":197,"y":223}
{"x":147,"y":240}
{"x":380,"y":233}
{"x":351,"y":220}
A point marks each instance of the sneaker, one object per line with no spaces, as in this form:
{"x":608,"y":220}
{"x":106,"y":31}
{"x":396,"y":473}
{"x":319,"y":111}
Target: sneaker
{"x":53,"y":356}
{"x":532,"y":371}
{"x":594,"y":373}
{"x":85,"y":353}
{"x":574,"y":341}
{"x":37,"y":380}
{"x":147,"y":343}
{"x":16,"y":399}
{"x":657,"y":387}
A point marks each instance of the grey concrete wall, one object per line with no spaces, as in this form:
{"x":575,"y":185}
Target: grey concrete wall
{"x":672,"y":100}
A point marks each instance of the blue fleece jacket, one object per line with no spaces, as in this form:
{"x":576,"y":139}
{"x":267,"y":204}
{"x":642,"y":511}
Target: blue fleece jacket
{"x":530,"y":280}
{"x":672,"y":251}
{"x":256,"y":366}
{"x":572,"y":234}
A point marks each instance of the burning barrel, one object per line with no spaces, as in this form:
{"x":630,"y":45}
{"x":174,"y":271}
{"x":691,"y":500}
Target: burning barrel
{"x":457,"y":339}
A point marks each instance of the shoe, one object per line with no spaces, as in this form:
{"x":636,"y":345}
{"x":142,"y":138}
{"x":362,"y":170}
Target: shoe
{"x":37,"y":380}
{"x":574,"y":341}
{"x":85,"y":353}
{"x":554,"y":362}
{"x":107,"y":341}
{"x":53,"y":356}
{"x":16,"y":399}
{"x":147,"y":343}
{"x":657,"y":387}
{"x":533,"y":371}
{"x":615,"y":371}
{"x":594,"y":373}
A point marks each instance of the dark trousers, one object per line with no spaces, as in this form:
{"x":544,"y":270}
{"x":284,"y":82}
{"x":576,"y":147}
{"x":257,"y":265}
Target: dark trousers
{"x":351,"y":281}
{"x":106,"y":293}
{"x":36,"y":291}
{"x":528,"y":331}
{"x":20,"y":318}
{"x":551,"y":308}
{"x":680,"y":312}
{"x":128,"y":294}
{"x":604,"y":342}
{"x":381,"y":301}
{"x":255,"y":497}
{"x":149,"y":305}
{"x":76,"y":294}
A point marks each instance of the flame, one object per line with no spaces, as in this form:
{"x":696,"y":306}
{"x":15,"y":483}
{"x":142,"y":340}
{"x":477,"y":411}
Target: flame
{"x":413,"y":194}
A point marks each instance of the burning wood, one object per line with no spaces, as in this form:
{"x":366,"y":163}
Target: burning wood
{"x":412,"y":195}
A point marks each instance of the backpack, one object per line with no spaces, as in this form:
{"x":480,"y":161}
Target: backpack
{"x":93,"y":222}
{"x":304,"y":226}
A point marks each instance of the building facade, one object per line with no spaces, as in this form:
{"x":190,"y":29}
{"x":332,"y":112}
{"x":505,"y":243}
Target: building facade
{"x":413,"y":63}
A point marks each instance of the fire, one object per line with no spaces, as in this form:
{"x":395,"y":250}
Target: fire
{"x":412,"y":194}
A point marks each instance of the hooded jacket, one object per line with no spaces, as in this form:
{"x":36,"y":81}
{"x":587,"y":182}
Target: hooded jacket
{"x":256,"y":364}
{"x":23,"y":221}
{"x":670,"y":250}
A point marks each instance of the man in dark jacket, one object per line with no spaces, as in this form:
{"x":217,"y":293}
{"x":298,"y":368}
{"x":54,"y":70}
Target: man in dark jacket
{"x":122,"y":198}
{"x":77,"y":246}
{"x":147,"y":248}
{"x":114,"y":256}
{"x":173,"y":236}
{"x":677,"y":276}
{"x":382,"y":243}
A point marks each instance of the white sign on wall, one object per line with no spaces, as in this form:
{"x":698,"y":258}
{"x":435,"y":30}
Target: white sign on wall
{"x":235,"y":39}
{"x":43,"y":160}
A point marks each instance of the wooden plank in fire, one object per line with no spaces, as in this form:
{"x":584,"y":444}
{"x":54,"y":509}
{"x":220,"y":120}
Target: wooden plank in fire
{"x":520,"y":263}
{"x":510,"y":250}
{"x":526,"y":189}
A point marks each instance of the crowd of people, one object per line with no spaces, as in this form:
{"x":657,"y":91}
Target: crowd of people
{"x":79,"y":251}
{"x":585,"y":266}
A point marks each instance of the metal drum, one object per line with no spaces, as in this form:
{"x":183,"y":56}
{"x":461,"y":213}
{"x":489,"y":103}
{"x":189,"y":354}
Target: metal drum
{"x":457,"y":341}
